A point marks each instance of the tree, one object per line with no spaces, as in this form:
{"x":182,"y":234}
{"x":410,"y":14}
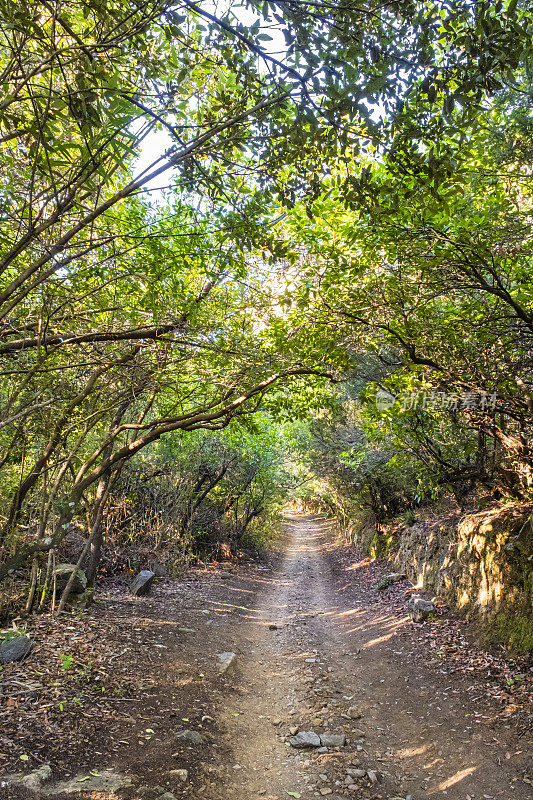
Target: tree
{"x":437,"y":290}
{"x":121,"y":322}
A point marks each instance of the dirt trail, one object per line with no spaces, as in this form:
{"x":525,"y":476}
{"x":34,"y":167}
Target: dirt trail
{"x":332,"y":651}
{"x":313,"y":639}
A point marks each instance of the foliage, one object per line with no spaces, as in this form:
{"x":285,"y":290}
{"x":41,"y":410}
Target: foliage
{"x":432,"y":300}
{"x":204,"y":493}
{"x":343,"y":204}
{"x":515,"y":630}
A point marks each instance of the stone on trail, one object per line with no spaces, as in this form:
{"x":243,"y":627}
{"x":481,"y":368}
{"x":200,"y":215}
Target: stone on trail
{"x":32,"y":781}
{"x":190,"y":736}
{"x":372,"y":776}
{"x":226,"y":662}
{"x":142,"y":583}
{"x":62,"y":574}
{"x":420,"y":609}
{"x":388,"y":580}
{"x":356,"y":773}
{"x":14,"y":649}
{"x":332,"y":739}
{"x":305,"y":739}
{"x":180,"y":774}
{"x":149,"y":791}
{"x":354,"y":713}
{"x":105,"y":781}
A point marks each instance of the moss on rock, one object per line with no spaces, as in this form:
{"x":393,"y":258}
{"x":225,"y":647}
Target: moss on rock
{"x":512,"y":629}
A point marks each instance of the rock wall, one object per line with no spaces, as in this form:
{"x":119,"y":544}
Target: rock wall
{"x":481,"y":562}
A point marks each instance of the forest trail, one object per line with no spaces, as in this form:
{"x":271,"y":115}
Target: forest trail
{"x":316,"y":646}
{"x":334,"y":649}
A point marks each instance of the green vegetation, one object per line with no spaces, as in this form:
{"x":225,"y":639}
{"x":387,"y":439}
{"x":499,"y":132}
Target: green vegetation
{"x":315,"y":282}
{"x":511,"y":629}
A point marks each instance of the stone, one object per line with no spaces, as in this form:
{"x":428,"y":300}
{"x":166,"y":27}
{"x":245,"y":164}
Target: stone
{"x":142,"y":583}
{"x":81,"y":600}
{"x":294,"y":730}
{"x":305,"y":739}
{"x":420,"y":609}
{"x":32,"y":781}
{"x":106,"y":781}
{"x":169,"y":795}
{"x":180,"y":774}
{"x":14,"y":649}
{"x":322,"y":750}
{"x":387,"y":580}
{"x":354,"y":713}
{"x":226,"y":662}
{"x":149,"y":791}
{"x":372,"y":776}
{"x":332,"y":739}
{"x":325,"y":790}
{"x":356,"y":773}
{"x":35,"y":779}
{"x":190,"y":736}
{"x":62,"y":574}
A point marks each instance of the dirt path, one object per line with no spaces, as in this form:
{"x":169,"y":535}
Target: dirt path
{"x":331,"y":652}
{"x":316,"y":646}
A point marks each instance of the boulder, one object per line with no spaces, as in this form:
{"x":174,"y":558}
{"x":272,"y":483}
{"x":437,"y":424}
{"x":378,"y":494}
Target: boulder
{"x":14,"y":649}
{"x":305,"y":739}
{"x":62,"y":574}
{"x":420,"y":609}
{"x":81,"y":600}
{"x":142,"y":583}
{"x":388,"y":580}
{"x":226,"y":662}
{"x":332,"y":739}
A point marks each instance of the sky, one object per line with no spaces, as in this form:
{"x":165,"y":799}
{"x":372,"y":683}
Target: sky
{"x":157,"y":142}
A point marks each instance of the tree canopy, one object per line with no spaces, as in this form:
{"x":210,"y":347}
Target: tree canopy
{"x":333,"y":199}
